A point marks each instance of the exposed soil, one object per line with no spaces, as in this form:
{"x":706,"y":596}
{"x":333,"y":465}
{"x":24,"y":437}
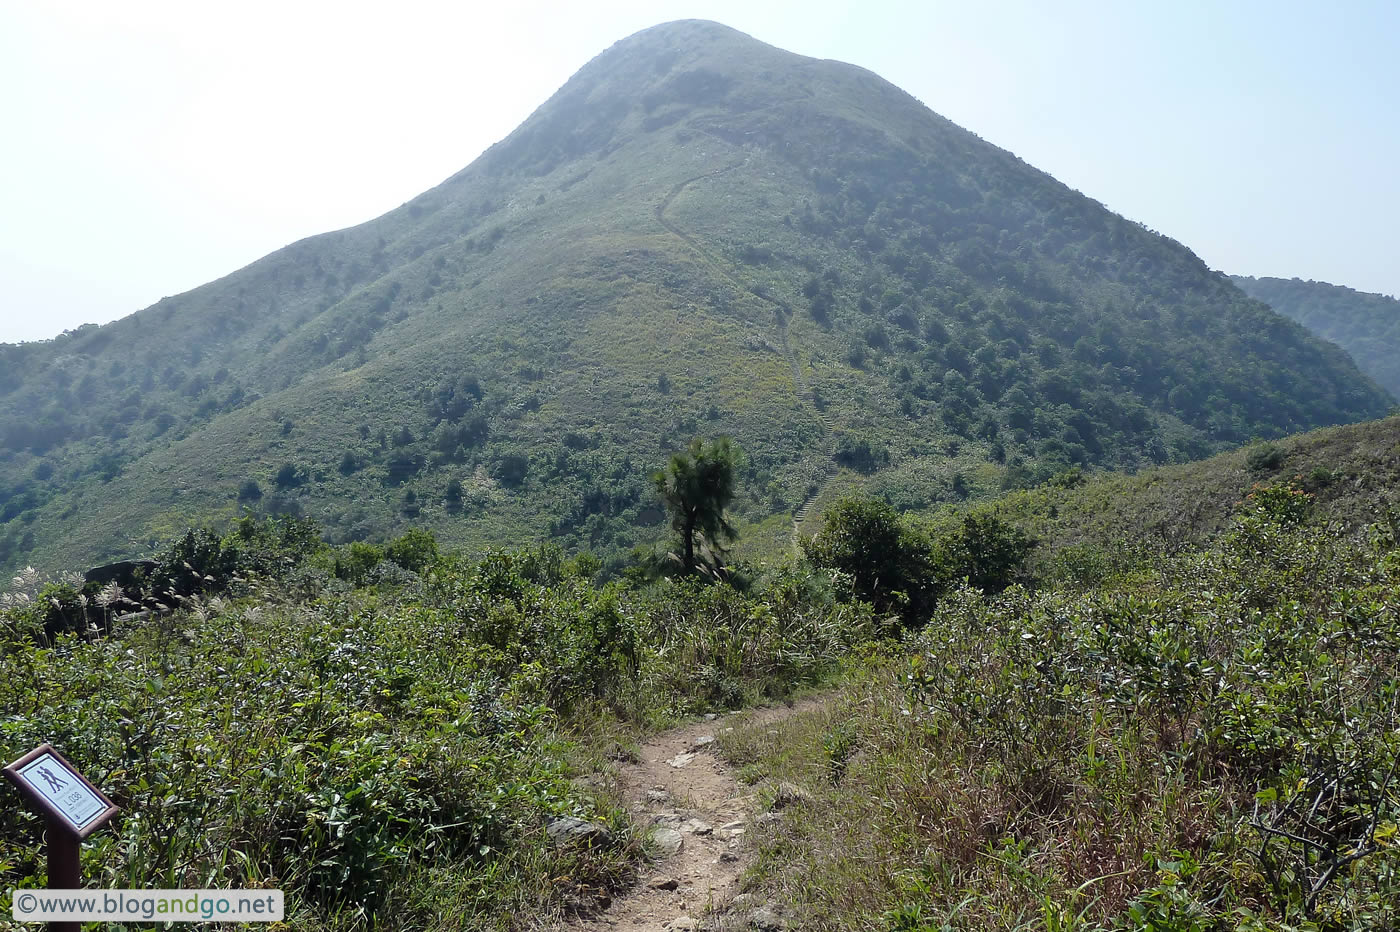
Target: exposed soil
{"x":680,"y":785}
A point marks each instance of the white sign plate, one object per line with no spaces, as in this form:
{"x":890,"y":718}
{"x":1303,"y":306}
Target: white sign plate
{"x":64,"y":790}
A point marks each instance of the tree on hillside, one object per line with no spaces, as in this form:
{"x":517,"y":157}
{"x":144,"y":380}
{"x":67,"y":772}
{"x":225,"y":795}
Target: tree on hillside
{"x":984,"y":549}
{"x":899,"y":568}
{"x":889,"y":561}
{"x":697,"y":486}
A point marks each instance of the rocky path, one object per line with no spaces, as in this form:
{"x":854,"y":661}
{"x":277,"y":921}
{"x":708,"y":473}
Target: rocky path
{"x":699,"y":814}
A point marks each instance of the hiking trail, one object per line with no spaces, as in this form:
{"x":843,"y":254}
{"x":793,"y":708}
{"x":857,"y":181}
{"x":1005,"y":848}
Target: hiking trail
{"x":782,"y":312}
{"x":698,"y":815}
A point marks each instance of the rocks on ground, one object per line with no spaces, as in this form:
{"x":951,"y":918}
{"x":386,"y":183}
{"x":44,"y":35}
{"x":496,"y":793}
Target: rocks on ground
{"x":569,"y":832}
{"x":667,"y":841}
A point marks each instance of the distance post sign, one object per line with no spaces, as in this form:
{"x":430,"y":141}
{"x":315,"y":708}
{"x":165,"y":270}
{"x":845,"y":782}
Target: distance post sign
{"x":58,"y":791}
{"x":72,"y":807}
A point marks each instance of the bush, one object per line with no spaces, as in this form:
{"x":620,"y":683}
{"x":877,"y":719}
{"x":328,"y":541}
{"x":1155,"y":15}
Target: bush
{"x":888,"y":562}
{"x":403,"y":465}
{"x":197,"y":562}
{"x":511,"y":469}
{"x":860,"y":454}
{"x":60,"y":608}
{"x":289,"y":476}
{"x":273,"y":547}
{"x":1264,"y":458}
{"x":900,"y":569}
{"x":341,"y":752}
{"x":355,"y":561}
{"x":984,"y":550}
{"x":415,"y":551}
{"x":1209,"y":743}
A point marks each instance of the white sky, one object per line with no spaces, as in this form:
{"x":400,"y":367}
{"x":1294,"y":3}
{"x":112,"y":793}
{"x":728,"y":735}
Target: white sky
{"x":147,"y":147}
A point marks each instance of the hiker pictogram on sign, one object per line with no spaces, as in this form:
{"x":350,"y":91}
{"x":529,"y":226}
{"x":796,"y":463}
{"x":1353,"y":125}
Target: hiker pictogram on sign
{"x":54,"y":782}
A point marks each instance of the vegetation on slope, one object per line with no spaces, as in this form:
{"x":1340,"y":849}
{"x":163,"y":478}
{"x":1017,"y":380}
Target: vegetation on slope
{"x":698,"y":234}
{"x":393,"y":754}
{"x":1365,"y":325}
{"x":1209,"y":743}
{"x":1086,"y":530}
{"x":1200,"y":735}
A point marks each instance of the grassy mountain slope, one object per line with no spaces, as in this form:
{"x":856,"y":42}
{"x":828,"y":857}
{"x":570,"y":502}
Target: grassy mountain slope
{"x":1183,"y":719}
{"x":1351,"y":472}
{"x":698,"y":233}
{"x":1365,"y":325}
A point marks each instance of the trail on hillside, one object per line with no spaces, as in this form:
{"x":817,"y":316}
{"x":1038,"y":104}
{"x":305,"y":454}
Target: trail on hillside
{"x":781,"y":312}
{"x":698,"y":815}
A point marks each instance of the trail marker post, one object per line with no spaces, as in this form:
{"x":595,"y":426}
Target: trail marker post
{"x":72,"y":808}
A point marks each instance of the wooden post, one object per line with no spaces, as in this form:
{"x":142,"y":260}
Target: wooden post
{"x":65,"y":872}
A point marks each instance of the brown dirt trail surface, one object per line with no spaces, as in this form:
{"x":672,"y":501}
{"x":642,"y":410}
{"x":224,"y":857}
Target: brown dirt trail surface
{"x":685,"y":793}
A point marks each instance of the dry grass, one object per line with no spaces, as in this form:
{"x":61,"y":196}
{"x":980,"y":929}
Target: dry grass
{"x":1097,"y":761}
{"x":916,"y":820}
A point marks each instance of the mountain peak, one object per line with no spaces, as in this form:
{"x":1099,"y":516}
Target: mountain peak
{"x":698,"y":234}
{"x":678,"y":29}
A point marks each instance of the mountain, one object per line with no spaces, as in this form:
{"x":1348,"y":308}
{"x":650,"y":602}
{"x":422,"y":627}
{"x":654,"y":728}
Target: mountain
{"x":697,"y":234}
{"x":1365,"y":325}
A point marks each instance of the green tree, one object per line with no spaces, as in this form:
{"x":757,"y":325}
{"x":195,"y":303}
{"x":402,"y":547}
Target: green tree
{"x":355,"y":561}
{"x":898,"y":568}
{"x":697,"y":486}
{"x":985,"y":550}
{"x":289,"y":476}
{"x":888,"y":561}
{"x":416,"y":550}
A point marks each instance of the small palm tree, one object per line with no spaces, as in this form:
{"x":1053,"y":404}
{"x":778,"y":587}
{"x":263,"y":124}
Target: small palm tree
{"x":697,"y":486}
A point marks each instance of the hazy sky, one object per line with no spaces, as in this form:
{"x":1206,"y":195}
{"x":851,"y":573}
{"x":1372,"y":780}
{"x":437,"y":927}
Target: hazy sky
{"x":149,"y":147}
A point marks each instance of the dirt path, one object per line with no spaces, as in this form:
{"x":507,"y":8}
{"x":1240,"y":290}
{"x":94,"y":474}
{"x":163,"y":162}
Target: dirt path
{"x":688,"y":795}
{"x":782,"y":312}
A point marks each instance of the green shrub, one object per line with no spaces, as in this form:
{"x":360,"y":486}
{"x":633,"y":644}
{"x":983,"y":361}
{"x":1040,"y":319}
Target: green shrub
{"x":984,"y":550}
{"x":889,"y":563}
{"x":1320,"y":478}
{"x":415,"y":551}
{"x":356,"y":560}
{"x":199,"y":561}
{"x":861,"y":454}
{"x":899,"y":569}
{"x":1264,"y":457}
{"x":338,"y":752}
{"x":511,"y":469}
{"x":289,"y":476}
{"x":58,"y":608}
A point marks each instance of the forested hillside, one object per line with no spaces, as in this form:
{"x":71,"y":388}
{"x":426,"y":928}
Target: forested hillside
{"x":698,"y":234}
{"x":1365,"y":325}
